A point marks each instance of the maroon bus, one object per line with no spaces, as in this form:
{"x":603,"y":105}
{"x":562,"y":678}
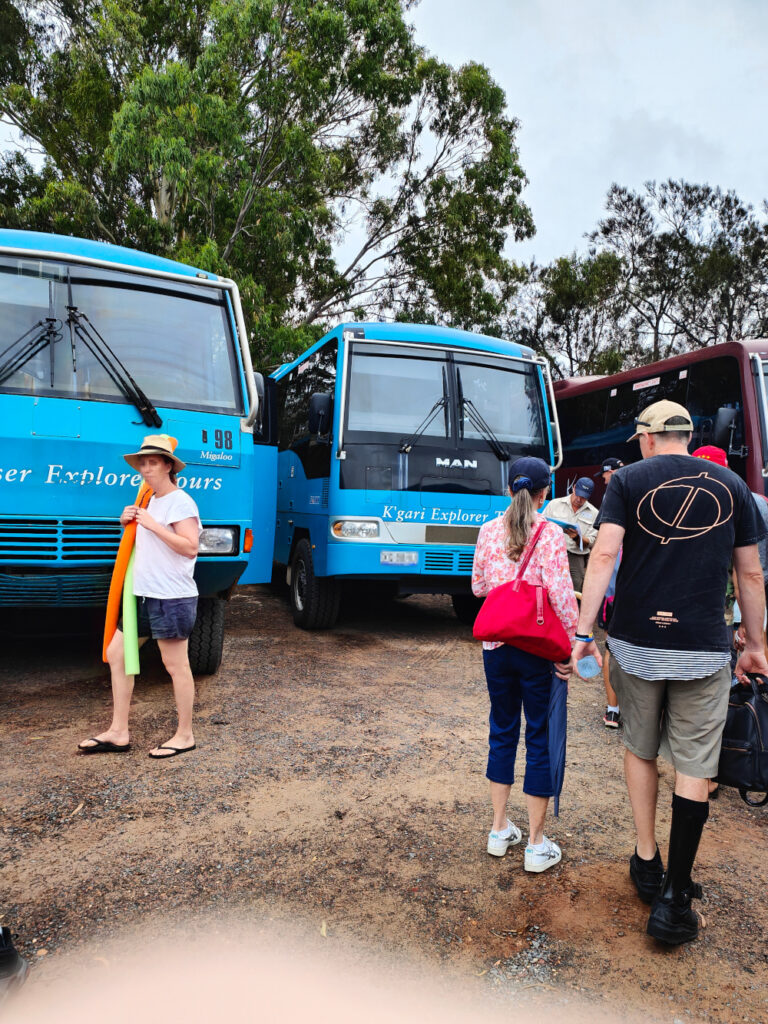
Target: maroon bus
{"x":723,"y":388}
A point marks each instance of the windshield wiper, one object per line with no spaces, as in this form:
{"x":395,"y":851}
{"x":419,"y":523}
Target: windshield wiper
{"x":81,"y":326}
{"x":466,"y":405}
{"x":406,"y":443}
{"x":45,"y":332}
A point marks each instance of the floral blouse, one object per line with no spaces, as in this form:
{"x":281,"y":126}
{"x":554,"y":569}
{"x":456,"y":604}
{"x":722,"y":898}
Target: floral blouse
{"x":548,"y":566}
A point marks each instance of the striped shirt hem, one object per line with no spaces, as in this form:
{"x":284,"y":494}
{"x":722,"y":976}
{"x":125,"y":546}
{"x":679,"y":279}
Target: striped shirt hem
{"x":654,"y":664}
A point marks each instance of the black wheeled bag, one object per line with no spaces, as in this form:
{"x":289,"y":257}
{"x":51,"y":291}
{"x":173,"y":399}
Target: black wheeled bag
{"x":744,"y":753}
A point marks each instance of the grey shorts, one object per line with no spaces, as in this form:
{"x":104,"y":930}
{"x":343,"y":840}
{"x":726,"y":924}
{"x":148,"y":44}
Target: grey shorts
{"x":682,"y":719}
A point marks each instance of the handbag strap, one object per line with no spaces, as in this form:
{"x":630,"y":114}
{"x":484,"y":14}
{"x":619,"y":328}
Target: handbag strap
{"x":529,"y":552}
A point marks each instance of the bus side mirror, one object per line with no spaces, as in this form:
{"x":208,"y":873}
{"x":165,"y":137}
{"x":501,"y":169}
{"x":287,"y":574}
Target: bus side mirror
{"x":721,"y":433}
{"x":258,"y":383}
{"x":320,"y":414}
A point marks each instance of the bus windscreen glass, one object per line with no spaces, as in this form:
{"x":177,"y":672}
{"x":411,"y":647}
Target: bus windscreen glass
{"x":508,"y":398}
{"x":175,"y":340}
{"x":392,"y":391}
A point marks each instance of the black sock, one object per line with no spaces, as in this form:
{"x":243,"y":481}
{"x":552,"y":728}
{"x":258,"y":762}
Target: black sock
{"x":688,"y":817}
{"x":696,"y":808}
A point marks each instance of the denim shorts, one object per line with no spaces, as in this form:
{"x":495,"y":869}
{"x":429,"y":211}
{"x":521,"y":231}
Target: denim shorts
{"x":171,"y":618}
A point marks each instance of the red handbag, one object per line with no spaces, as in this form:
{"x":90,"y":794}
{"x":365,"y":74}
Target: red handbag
{"x":519,"y":614}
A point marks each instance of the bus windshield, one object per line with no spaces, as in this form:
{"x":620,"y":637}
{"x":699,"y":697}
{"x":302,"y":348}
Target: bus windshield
{"x":174,"y":339}
{"x":394,"y":389}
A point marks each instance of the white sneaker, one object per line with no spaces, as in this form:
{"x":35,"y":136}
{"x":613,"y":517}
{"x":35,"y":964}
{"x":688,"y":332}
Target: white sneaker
{"x":540,"y":860}
{"x":500,"y":842}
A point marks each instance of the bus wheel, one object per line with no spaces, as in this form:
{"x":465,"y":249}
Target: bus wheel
{"x":314,"y":599}
{"x":206,"y":641}
{"x":466,"y":607}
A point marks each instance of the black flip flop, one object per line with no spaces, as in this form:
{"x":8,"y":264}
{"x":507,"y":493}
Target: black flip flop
{"x":104,"y":747}
{"x":176,"y":752}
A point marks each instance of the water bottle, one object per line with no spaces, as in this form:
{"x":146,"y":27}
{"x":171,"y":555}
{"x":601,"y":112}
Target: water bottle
{"x":587,"y":667}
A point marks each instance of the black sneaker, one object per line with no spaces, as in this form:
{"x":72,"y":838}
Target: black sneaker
{"x":13,"y":968}
{"x":611,"y":719}
{"x":673,"y":920}
{"x":646,"y":874}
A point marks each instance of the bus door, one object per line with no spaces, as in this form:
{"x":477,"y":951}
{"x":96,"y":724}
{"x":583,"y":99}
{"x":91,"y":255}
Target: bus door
{"x":264,"y":510}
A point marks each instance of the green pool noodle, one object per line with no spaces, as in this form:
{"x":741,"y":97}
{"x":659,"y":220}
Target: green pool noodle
{"x":130,"y":626}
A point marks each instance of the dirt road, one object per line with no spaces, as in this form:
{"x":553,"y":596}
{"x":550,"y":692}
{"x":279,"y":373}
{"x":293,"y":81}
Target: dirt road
{"x":340,"y":780}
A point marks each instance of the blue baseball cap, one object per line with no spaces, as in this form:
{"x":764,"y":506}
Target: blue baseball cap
{"x":534,"y":473}
{"x":584,"y":487}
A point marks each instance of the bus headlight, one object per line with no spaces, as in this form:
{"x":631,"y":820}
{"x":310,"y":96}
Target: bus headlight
{"x":359,"y":529}
{"x":218,"y":540}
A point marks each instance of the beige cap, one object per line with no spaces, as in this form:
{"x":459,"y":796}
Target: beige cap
{"x":661,"y":417}
{"x":156,"y":444}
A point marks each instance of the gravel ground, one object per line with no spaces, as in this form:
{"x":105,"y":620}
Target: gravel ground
{"x":339,"y":782}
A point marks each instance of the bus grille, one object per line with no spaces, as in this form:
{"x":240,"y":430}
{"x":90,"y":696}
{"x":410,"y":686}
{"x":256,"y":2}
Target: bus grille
{"x":447,"y":561}
{"x":73,"y":589}
{"x":52,"y":540}
{"x":466,"y":558}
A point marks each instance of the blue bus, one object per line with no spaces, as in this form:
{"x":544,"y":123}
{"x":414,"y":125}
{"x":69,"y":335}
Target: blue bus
{"x":100,"y":345}
{"x":394,"y":443}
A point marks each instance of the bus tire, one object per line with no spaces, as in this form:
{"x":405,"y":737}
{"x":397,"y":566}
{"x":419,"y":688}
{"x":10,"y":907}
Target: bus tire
{"x":466,"y":607}
{"x":206,"y":642}
{"x":314,"y":599}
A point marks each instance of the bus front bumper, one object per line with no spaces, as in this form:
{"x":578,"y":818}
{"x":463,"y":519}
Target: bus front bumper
{"x":394,"y":562}
{"x":31,"y":586}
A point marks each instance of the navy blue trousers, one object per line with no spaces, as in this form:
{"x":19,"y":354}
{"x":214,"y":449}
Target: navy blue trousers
{"x":518,"y":680}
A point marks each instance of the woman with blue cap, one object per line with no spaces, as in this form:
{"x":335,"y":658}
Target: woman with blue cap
{"x":516,"y":679}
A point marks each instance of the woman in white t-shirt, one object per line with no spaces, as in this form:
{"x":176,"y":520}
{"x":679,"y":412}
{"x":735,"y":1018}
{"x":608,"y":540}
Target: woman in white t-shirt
{"x":167,"y":537}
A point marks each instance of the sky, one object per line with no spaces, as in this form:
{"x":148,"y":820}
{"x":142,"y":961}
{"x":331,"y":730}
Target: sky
{"x":616,"y":91}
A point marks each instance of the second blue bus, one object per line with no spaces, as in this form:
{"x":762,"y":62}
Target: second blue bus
{"x":394,"y":445}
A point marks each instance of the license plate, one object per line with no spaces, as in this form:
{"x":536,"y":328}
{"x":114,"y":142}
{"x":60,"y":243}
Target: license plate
{"x":399,"y":558}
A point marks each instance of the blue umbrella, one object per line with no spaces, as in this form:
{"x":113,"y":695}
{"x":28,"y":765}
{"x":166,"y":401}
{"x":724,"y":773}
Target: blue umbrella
{"x":557,"y":727}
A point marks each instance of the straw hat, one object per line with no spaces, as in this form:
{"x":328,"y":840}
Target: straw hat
{"x":156,"y":444}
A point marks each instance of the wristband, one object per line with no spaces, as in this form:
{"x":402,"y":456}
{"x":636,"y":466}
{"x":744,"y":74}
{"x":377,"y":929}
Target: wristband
{"x":585,"y":639}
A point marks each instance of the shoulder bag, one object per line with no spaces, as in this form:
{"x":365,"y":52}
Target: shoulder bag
{"x":519,"y":614}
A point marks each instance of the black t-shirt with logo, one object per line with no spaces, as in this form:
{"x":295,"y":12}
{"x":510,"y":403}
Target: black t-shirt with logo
{"x":682,"y":518}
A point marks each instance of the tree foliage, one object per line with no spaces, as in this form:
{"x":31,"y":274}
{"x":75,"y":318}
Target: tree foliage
{"x":251,"y":137}
{"x":695,"y":264}
{"x":571,"y":312}
{"x":671,"y":268}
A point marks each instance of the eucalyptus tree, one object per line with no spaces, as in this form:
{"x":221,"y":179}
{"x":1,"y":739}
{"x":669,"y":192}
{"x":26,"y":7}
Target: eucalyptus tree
{"x":259,"y":139}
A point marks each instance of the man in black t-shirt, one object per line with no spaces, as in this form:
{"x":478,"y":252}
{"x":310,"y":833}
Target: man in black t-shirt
{"x":680,"y":523}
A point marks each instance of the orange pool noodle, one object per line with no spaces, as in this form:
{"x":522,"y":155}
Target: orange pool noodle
{"x":118,"y":573}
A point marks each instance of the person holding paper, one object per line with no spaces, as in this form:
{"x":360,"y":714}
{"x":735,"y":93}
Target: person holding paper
{"x":577,"y":517}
